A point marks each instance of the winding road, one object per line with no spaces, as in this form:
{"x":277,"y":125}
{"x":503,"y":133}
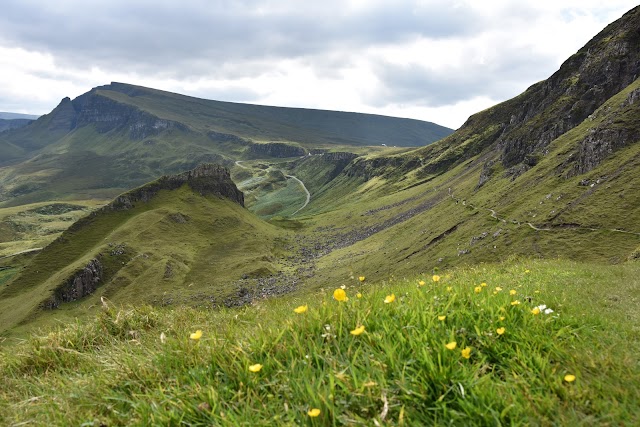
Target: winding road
{"x":304,"y":187}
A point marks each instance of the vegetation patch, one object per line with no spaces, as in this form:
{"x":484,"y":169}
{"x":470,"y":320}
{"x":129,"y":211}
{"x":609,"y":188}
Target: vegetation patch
{"x":517,"y":343}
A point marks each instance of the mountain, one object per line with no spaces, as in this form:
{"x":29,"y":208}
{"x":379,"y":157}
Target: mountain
{"x":118,"y":136}
{"x":13,"y":116}
{"x":551,"y":173}
{"x":8,"y":124}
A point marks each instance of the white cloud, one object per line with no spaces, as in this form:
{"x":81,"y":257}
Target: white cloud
{"x":433,"y":60}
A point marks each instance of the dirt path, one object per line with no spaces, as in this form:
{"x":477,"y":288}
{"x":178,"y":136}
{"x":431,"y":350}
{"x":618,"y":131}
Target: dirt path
{"x":239,"y":165}
{"x":21,"y":252}
{"x":304,"y":187}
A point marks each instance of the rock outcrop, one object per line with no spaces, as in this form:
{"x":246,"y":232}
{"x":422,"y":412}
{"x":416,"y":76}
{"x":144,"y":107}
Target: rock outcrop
{"x":206,"y":179}
{"x":275,"y":149}
{"x":82,"y":283}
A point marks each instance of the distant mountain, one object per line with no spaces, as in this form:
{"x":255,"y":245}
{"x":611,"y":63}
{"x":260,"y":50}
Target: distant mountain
{"x":118,"y":136}
{"x":11,"y":116}
{"x":9,"y":124}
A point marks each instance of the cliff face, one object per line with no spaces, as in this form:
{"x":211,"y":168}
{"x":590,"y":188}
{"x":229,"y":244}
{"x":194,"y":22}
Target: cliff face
{"x":275,"y":149}
{"x":107,"y":114}
{"x":206,"y":179}
{"x":518,"y":131}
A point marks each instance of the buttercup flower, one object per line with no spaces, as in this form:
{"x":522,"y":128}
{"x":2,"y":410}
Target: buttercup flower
{"x":516,"y":302}
{"x":196,"y":335}
{"x":483,"y":284}
{"x":569,"y":378}
{"x":359,"y":295}
{"x":501,"y":318}
{"x":451,"y":346}
{"x":435,"y":278}
{"x":466,"y":352}
{"x":301,"y":309}
{"x":477,"y":289}
{"x":498,"y":288}
{"x":441,"y":318}
{"x":422,"y":283}
{"x":340,"y":295}
{"x":390,"y":298}
{"x":449,"y":288}
{"x":500,"y":331}
{"x":313,"y":412}
{"x":255,"y":368}
{"x":535,"y":311}
{"x":362,"y":278}
{"x":358,"y":330}
{"x":512,"y":292}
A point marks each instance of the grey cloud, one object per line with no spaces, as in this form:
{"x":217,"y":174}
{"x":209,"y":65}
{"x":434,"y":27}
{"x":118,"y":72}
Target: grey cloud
{"x":199,"y":37}
{"x":414,"y":84}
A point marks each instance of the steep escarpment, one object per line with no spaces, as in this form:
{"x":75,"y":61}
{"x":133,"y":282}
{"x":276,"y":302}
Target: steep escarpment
{"x":516,"y":133}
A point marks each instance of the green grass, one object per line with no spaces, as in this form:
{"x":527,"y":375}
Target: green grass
{"x":197,"y":260}
{"x":116,"y":369}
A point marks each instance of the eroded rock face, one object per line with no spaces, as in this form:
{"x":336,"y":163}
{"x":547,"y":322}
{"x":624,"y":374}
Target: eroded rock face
{"x":107,"y":114}
{"x":81,"y":284}
{"x":275,"y":149}
{"x":206,"y":179}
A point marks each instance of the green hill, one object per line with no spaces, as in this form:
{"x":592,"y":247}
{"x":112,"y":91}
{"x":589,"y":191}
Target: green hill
{"x":118,"y":136}
{"x":183,"y":238}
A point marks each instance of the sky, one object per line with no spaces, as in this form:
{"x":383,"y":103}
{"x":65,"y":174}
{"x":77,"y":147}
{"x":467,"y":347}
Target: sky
{"x":432,"y":60}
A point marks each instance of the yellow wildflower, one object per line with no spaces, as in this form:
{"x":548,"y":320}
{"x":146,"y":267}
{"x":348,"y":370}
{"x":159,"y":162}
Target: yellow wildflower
{"x":466,"y":352}
{"x":441,"y":318}
{"x":390,"y":298}
{"x":449,"y":288}
{"x":301,"y":309}
{"x":501,"y":318}
{"x":196,"y":335}
{"x":512,"y":292}
{"x":313,"y":412}
{"x":527,"y":271}
{"x":359,"y":295}
{"x":361,"y":278}
{"x":451,"y":346}
{"x":516,"y":302}
{"x":477,"y":289}
{"x":340,"y":295}
{"x":255,"y":368}
{"x":358,"y":330}
{"x":483,"y":284}
{"x":435,"y":278}
{"x":535,"y":311}
{"x":569,"y":378}
{"x":498,"y":288}
{"x":500,"y":331}
{"x":422,"y":283}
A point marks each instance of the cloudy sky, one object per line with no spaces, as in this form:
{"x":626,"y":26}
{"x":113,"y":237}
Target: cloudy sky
{"x":434,"y":60}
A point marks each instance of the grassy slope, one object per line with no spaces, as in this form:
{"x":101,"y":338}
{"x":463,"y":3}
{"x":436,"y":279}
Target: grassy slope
{"x":316,"y":127}
{"x":194,"y":259}
{"x":116,"y":369}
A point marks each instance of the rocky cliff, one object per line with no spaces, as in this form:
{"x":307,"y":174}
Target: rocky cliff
{"x":517,"y":132}
{"x":275,"y":149}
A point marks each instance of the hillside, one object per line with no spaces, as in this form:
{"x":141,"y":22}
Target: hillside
{"x":118,"y":136}
{"x":157,"y":243}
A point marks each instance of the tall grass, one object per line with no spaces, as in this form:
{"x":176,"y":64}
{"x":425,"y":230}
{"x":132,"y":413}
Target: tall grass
{"x":270,"y":364}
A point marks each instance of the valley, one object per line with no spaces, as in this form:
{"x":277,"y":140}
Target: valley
{"x":376,"y":268}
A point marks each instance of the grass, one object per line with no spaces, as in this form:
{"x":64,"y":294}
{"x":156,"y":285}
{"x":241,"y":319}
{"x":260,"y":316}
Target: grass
{"x":138,"y":366}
